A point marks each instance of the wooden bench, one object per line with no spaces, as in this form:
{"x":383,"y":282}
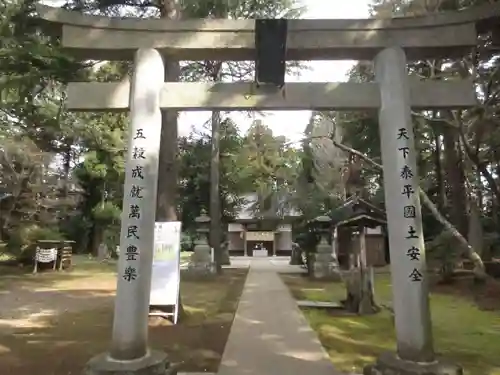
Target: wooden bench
{"x":65,"y":256}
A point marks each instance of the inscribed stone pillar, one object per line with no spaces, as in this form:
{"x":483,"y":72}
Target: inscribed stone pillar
{"x":415,"y":354}
{"x":129,"y":348}
{"x":402,"y":203}
{"x":139,"y":207}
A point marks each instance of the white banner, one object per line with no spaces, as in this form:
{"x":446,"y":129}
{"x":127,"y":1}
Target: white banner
{"x":165,"y":281}
{"x":46,"y":255}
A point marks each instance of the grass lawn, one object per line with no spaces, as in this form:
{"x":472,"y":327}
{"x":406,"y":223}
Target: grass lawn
{"x":76,"y":316}
{"x":462,"y":332}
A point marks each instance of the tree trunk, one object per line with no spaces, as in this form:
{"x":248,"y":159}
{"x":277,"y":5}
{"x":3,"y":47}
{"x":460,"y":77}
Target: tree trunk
{"x":215,"y":214}
{"x":360,"y":290}
{"x":441,"y":193}
{"x":215,"y":206}
{"x":476,"y":235}
{"x":166,"y":209}
{"x":96,"y":237}
{"x":455,"y":180}
{"x":457,"y":202}
{"x":495,"y":204}
{"x":66,"y":172}
{"x":166,"y":203}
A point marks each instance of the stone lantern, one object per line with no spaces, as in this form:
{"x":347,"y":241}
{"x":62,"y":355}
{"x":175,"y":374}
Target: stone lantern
{"x":203,"y":228}
{"x":325,"y":263}
{"x":201,"y":262}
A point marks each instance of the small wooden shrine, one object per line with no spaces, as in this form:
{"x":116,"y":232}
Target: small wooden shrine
{"x":360,"y":227}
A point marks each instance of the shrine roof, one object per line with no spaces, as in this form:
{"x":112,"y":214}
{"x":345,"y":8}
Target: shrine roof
{"x":356,"y":209}
{"x":361,"y":219}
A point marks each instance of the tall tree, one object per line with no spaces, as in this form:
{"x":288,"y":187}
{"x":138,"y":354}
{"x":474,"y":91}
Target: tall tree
{"x":271,"y":168}
{"x":166,"y":208}
{"x":32,"y":117}
{"x":215,"y":207}
{"x":195,"y":181}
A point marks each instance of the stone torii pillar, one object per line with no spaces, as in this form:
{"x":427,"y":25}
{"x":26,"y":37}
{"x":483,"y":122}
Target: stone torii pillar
{"x":129,"y":352}
{"x":415,"y":353}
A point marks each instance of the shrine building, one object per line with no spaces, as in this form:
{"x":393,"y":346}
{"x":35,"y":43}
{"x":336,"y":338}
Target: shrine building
{"x":271,"y":229}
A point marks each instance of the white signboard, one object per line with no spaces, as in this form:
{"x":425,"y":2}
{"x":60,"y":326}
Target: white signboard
{"x":284,"y":228}
{"x":165,"y":280}
{"x":260,"y":236}
{"x":234,"y":227}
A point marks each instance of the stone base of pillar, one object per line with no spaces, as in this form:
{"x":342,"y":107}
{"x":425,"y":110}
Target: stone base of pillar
{"x":154,"y":363}
{"x":390,"y":364}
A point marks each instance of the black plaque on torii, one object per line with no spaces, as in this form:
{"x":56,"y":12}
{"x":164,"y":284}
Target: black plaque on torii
{"x":270,"y":51}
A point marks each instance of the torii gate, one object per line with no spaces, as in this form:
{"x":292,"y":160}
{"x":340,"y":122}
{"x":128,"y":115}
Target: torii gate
{"x":389,"y":42}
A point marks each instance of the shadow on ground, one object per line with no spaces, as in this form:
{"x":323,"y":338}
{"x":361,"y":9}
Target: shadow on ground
{"x":270,"y":335}
{"x":464,"y":331}
{"x":62,"y":344}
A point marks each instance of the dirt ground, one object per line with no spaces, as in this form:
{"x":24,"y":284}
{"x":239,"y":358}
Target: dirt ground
{"x":58,"y":321}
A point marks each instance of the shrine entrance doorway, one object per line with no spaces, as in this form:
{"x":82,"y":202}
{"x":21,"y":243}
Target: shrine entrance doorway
{"x":260,"y":248}
{"x":258,"y":242}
